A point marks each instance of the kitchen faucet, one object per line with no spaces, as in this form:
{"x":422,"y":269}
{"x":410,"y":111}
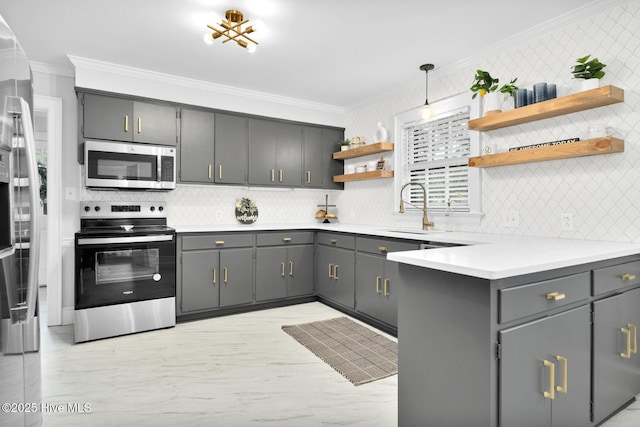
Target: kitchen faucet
{"x":425,"y":221}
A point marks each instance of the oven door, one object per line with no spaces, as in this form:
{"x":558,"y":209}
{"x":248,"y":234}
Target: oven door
{"x":122,"y":269}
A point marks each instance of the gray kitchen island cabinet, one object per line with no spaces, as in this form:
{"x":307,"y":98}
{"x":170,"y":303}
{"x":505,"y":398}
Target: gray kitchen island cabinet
{"x":122,"y":119}
{"x":275,"y":153}
{"x":517,"y":351}
{"x":284,"y":265}
{"x":335,"y":271}
{"x":215,"y":270}
{"x":377,"y":279}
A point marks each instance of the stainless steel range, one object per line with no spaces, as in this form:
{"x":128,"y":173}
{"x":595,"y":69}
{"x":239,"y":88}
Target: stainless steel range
{"x":125,"y":270}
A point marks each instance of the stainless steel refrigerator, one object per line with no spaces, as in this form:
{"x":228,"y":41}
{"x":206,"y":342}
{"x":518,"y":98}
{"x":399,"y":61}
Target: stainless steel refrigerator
{"x":20,"y":379}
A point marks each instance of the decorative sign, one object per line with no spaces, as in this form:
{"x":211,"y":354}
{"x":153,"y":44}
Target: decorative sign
{"x":246,"y":211}
{"x":546,"y":144}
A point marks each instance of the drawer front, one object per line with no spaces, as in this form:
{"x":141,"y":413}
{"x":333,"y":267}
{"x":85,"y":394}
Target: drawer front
{"x":285,"y":238}
{"x":217,"y":241}
{"x":616,"y":277}
{"x":383,"y":246}
{"x":336,"y":239}
{"x":521,"y":301}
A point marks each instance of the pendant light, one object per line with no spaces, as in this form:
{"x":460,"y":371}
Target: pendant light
{"x":427,"y":112}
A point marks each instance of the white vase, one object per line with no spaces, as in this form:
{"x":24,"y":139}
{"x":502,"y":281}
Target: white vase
{"x":381,"y":133}
{"x":588,"y":84}
{"x":493,"y":102}
{"x":344,"y":147}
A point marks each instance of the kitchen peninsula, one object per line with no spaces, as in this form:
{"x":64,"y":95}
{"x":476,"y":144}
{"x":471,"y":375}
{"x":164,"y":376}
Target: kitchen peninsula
{"x":519,"y":332}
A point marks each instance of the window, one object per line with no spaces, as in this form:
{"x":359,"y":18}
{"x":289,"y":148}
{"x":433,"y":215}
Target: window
{"x":434,"y":153}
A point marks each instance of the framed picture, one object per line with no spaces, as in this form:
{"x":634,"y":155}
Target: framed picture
{"x":381,"y":164}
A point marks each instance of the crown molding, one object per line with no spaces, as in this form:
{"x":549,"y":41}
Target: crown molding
{"x":58,"y":70}
{"x":139,"y":73}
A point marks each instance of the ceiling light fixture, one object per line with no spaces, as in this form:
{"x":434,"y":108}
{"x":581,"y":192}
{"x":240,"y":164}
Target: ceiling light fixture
{"x":427,"y":111}
{"x":233,"y":31}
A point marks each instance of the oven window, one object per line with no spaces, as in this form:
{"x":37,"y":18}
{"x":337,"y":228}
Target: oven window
{"x":127,"y":265}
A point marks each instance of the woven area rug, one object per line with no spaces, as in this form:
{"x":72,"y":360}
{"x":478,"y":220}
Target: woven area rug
{"x":358,"y":353}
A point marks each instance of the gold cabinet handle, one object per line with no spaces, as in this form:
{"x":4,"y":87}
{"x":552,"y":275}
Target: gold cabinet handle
{"x":139,"y":124}
{"x":627,"y":277}
{"x":634,"y":338}
{"x":219,"y":171}
{"x":563,"y":387}
{"x":209,"y":174}
{"x":330,"y":271}
{"x":552,"y":375}
{"x":219,"y":242}
{"x":126,"y":123}
{"x":386,"y":287}
{"x":280,"y":175}
{"x":282,"y":270}
{"x":273,"y":175}
{"x":335,"y":272}
{"x":308,"y":177}
{"x":333,"y":241}
{"x":626,"y":354}
{"x":286,"y":239}
{"x":226,"y":275}
{"x":378,"y":278}
{"x":215,"y":273}
{"x":291,"y":268}
{"x":555,"y":296}
{"x":383,"y":248}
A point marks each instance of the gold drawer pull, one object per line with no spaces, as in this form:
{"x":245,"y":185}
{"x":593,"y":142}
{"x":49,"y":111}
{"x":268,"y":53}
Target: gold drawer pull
{"x":139,"y":125}
{"x":563,"y":387}
{"x":383,"y":248}
{"x":555,"y":296}
{"x":308,"y":177}
{"x":626,"y":354}
{"x":330,"y":271}
{"x":209,"y":173}
{"x":280,"y":175}
{"x":273,"y":175}
{"x":378,"y":278}
{"x":219,"y":242}
{"x":634,"y":339}
{"x":282,"y":271}
{"x":386,"y":287}
{"x":286,"y":239}
{"x":552,"y":375}
{"x":126,"y":123}
{"x":215,"y":273}
{"x":627,"y":277}
{"x":226,"y":277}
{"x":220,"y":172}
{"x":291,"y":268}
{"x":333,"y":241}
{"x":335,"y":272}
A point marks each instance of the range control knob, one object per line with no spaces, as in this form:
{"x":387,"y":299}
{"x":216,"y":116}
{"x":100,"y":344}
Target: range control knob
{"x":160,"y":208}
{"x":87,"y":208}
{"x":97,"y":208}
{"x":153,"y":208}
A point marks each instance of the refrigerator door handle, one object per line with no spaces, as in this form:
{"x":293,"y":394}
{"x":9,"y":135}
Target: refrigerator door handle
{"x":34,"y":216}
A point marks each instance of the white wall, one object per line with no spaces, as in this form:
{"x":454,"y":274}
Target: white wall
{"x":601,"y":191}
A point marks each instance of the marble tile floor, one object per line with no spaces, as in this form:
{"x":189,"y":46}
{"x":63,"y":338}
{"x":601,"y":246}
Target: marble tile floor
{"x":240,"y":370}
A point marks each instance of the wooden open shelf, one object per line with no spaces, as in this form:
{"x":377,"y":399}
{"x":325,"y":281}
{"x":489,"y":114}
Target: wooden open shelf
{"x":376,"y":174}
{"x":589,"y":147}
{"x":378,"y":147}
{"x":580,"y":101}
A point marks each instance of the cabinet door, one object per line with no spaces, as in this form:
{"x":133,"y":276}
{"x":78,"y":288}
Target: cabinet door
{"x":616,"y":367}
{"x":236,"y":276}
{"x":196,"y":146}
{"x":262,"y":152}
{"x":154,"y":124}
{"x":390,"y":288}
{"x":312,"y":168}
{"x":324,"y":272}
{"x":369,"y":282}
{"x":271,"y":273}
{"x":299,"y":270}
{"x":530,"y":354}
{"x":200,"y":280}
{"x":289,"y":155}
{"x":106,"y":117}
{"x":344,"y":277}
{"x":231,"y":149}
{"x":330,"y":167}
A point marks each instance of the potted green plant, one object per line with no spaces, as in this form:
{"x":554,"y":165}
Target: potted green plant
{"x":588,"y":71}
{"x":344,"y":145}
{"x":488,"y":88}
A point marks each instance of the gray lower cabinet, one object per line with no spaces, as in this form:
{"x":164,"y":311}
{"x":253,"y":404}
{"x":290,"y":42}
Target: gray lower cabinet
{"x":377,"y":280}
{"x":545,"y":371}
{"x":197,"y":130}
{"x":120,"y":119}
{"x":275,"y":153}
{"x":284,"y":265}
{"x":210,"y":278}
{"x":335,"y":261}
{"x":231,"y":149}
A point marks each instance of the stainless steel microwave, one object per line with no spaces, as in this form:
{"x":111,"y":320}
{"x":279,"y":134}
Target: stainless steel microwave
{"x":111,"y":165}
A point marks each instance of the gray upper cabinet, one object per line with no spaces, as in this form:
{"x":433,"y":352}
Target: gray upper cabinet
{"x":275,"y":153}
{"x":118,"y":119}
{"x":231,"y":147}
{"x":312,"y":168}
{"x":330,"y":167}
{"x":197,"y":130}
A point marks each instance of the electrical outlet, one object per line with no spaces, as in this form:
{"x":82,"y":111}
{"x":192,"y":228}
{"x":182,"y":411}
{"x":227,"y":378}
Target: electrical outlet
{"x":69,"y":193}
{"x":566,"y":222}
{"x":511,"y":219}
{"x":218,"y":215}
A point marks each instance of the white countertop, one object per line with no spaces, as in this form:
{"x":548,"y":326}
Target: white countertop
{"x":488,"y":256}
